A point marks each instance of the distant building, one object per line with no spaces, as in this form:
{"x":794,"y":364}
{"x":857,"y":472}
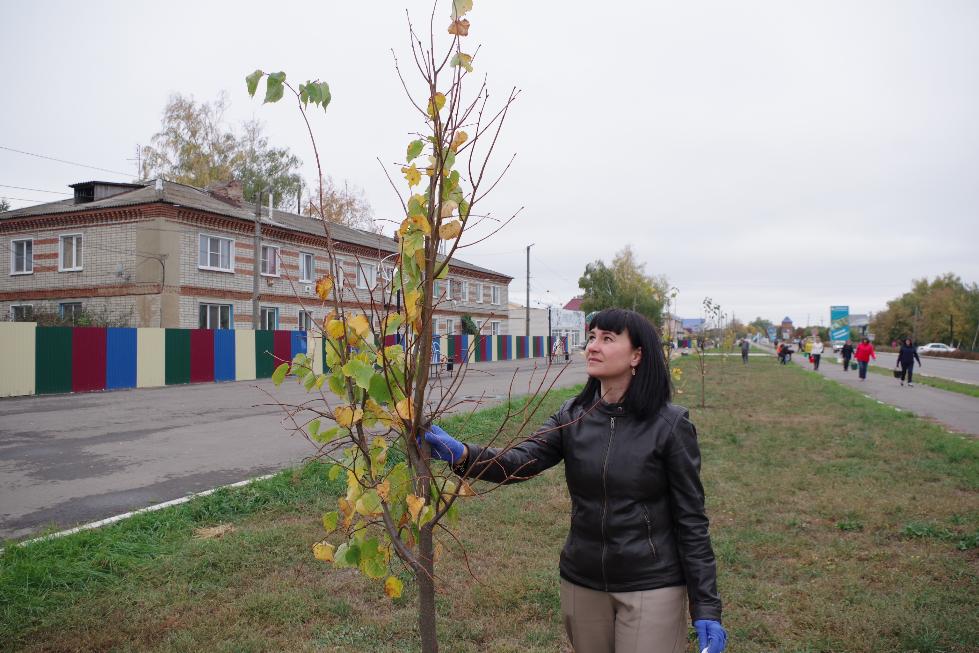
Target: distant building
{"x":786,"y":330}
{"x":162,"y":254}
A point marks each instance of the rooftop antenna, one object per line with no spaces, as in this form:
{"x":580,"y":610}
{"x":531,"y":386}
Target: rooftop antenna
{"x":139,"y":161}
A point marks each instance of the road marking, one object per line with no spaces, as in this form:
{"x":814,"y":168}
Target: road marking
{"x":153,"y":508}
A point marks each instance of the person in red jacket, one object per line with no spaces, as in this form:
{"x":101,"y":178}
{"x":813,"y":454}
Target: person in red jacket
{"x":865,"y":351}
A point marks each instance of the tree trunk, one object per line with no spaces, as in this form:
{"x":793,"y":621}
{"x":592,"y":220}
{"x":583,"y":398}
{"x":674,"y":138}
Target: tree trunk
{"x":425,"y":575}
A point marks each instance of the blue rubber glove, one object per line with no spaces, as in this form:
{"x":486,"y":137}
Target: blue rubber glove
{"x":444,"y":446}
{"x":711,"y":634}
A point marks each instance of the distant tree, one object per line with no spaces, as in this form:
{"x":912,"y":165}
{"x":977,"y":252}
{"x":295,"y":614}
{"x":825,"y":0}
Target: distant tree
{"x":195,"y":147}
{"x":344,"y":205}
{"x":624,"y":284}
{"x":4,"y":204}
{"x":760,"y":324}
{"x":937,"y":311}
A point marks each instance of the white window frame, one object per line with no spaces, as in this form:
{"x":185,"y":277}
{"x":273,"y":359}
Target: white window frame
{"x":209,"y":306}
{"x":305,"y":319}
{"x":265,"y":261}
{"x":464,"y":294}
{"x":479,"y":292}
{"x":303,"y":276}
{"x":28,"y":262}
{"x":77,"y":253}
{"x":61,"y":309}
{"x":495,"y":295}
{"x":13,"y":318}
{"x":450,"y":326}
{"x":495,"y":328}
{"x":206,"y":265}
{"x":366,"y":281}
{"x":264,"y":312}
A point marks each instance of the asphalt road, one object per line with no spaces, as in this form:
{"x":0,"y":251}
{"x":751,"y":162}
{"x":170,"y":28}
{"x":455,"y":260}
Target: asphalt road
{"x":72,"y":459}
{"x":964,"y":371}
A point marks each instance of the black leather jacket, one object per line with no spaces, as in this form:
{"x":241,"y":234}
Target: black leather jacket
{"x":637,"y":504}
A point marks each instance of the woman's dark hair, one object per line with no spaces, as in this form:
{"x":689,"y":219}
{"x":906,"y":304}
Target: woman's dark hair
{"x":650,"y":389}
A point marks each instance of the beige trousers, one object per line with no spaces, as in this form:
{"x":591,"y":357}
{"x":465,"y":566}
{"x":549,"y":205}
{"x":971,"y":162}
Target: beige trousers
{"x":653,"y":621}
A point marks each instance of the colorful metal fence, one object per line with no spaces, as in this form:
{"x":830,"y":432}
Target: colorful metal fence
{"x":50,"y":360}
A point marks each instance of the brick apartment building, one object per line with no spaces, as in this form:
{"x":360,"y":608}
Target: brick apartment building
{"x":163,"y":254}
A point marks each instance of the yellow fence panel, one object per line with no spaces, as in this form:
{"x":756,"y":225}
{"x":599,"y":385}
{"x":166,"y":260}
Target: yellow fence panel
{"x":151,"y":359}
{"x":244,"y":355}
{"x":17,"y":344}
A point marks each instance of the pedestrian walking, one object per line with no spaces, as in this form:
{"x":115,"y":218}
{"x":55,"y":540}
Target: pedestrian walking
{"x":781,"y":350}
{"x":816,"y":352}
{"x":865,"y":351}
{"x":905,"y":360}
{"x":638,"y":556}
{"x":745,"y":348}
{"x":847,"y":353}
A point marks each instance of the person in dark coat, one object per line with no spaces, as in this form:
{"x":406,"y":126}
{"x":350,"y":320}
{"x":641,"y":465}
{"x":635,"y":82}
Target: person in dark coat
{"x":745,"y":348}
{"x":847,"y":353}
{"x":638,"y":556}
{"x":906,"y":358}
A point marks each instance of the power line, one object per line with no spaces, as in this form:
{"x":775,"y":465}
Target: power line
{"x":22,"y":199}
{"x":38,"y":190}
{"x":51,"y":158}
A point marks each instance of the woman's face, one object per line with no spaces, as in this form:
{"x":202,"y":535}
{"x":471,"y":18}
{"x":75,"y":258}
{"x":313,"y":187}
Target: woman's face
{"x":907,"y":341}
{"x":610,"y":355}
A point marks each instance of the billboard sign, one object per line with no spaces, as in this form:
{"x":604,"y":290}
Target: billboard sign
{"x":772,"y":332}
{"x":839,"y":323}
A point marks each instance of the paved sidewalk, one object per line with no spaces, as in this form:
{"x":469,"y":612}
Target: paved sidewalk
{"x":956,"y":411}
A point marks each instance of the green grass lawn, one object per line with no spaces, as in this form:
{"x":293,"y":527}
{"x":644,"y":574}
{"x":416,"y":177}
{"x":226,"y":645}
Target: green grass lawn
{"x":839,"y":525}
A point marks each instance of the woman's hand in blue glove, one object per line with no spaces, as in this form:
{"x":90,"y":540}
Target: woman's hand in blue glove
{"x":444,"y":446}
{"x":712,"y":636}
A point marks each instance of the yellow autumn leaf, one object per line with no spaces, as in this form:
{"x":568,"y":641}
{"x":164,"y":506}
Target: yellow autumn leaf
{"x":360,"y":325}
{"x":335,"y":329}
{"x":415,"y":506}
{"x":421,"y":222}
{"x":323,"y":287}
{"x":412,"y":298}
{"x":323,"y":551}
{"x":448,"y":208}
{"x":437,"y":101}
{"x":347,"y":416}
{"x":412,"y":174}
{"x":459,"y":27}
{"x":384,"y":489}
{"x":450,"y":230}
{"x":458,"y":140}
{"x":466,"y":490}
{"x":404,"y":409}
{"x":347,"y":510}
{"x":393,"y":587}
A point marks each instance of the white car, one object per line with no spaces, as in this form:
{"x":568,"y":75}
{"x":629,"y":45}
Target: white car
{"x":934,"y":347}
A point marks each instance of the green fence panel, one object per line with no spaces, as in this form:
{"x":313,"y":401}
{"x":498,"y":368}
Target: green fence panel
{"x":264,"y":348}
{"x":52,"y":360}
{"x":177,"y":356}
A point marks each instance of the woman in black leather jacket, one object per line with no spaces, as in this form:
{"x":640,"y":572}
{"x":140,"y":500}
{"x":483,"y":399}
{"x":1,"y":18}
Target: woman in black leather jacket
{"x":638,"y":555}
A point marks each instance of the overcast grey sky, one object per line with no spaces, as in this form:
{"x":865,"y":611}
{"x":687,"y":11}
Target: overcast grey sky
{"x":776,"y":156}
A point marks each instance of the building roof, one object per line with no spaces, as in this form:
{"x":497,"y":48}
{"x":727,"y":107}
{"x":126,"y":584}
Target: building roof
{"x":191,"y":197}
{"x":574,"y":304}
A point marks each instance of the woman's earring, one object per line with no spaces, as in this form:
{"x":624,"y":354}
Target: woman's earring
{"x":633,"y":371}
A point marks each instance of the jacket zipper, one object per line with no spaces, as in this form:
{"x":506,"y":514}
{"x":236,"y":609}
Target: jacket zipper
{"x":649,"y":529}
{"x":605,"y":498}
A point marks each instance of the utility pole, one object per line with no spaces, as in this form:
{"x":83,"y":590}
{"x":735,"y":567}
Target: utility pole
{"x":951,"y":338}
{"x":257,"y":263}
{"x":528,"y":290}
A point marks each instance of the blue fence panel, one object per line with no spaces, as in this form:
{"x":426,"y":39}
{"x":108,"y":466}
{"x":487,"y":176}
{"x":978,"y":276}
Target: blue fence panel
{"x":120,"y":358}
{"x":224,"y":355}
{"x":298,"y":343}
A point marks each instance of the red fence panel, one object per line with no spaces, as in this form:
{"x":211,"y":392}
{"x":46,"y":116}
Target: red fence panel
{"x":87,"y":359}
{"x":201,"y":355}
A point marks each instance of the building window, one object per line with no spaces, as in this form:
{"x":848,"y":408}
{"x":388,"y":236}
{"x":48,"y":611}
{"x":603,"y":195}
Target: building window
{"x":305,"y":321}
{"x":70,"y":253}
{"x":22,"y":256}
{"x":495,"y":327}
{"x":464,"y":291}
{"x":450,"y":326}
{"x":70,"y":311}
{"x":215,"y":253}
{"x":269,"y":319}
{"x":366,"y":275}
{"x":22,"y":312}
{"x":270,"y":260}
{"x":479,"y":292}
{"x":496,"y":295}
{"x":215,"y":316}
{"x":307,"y":267}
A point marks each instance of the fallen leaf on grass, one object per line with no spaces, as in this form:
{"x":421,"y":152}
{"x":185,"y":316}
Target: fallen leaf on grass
{"x":213,"y":532}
